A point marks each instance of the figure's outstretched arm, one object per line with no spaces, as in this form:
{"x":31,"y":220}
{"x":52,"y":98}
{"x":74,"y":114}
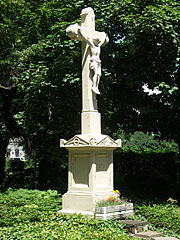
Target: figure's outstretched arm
{"x":88,"y":40}
{"x":100,"y":43}
{"x":104,"y":40}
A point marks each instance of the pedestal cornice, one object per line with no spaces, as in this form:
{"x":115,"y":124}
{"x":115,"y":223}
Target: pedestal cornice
{"x":99,"y":141}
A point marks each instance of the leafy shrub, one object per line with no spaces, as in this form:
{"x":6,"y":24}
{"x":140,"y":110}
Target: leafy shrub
{"x":32,"y":214}
{"x":20,"y":174}
{"x":132,"y":169}
{"x":20,"y":206}
{"x":162,"y":217}
{"x":27,"y":174}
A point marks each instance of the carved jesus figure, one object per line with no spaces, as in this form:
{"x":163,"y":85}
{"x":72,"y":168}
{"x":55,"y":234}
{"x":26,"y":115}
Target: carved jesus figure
{"x":95,"y":41}
{"x":95,"y":63}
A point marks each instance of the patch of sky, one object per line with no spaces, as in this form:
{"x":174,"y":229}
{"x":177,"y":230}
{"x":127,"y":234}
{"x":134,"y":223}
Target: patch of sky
{"x":150,"y":91}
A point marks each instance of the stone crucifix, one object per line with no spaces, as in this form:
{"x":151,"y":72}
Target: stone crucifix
{"x":91,"y":64}
{"x":90,"y":161}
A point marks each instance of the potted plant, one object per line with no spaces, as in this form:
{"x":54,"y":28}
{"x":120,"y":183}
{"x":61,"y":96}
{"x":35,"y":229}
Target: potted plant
{"x":114,"y":206}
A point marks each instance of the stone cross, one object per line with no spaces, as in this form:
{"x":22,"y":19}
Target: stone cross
{"x":90,"y":163}
{"x":92,"y":41}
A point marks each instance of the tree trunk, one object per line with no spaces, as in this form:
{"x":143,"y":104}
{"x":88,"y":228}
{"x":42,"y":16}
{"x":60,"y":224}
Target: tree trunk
{"x":3,"y":146}
{"x":178,"y":176}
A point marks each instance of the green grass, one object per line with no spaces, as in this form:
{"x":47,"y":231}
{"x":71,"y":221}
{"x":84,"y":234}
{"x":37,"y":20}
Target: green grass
{"x":32,"y":214}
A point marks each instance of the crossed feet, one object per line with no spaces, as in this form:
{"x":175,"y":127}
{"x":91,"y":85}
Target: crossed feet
{"x":96,"y":90}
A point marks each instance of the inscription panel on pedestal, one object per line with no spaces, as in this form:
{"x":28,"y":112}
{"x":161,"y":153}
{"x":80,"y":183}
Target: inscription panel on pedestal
{"x":102,"y":171}
{"x":80,"y":170}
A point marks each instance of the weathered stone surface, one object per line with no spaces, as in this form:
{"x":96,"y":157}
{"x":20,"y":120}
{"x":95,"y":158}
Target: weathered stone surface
{"x":97,"y":141}
{"x":117,"y":211}
{"x":125,"y":213}
{"x":148,"y":235}
{"x":134,"y":226}
{"x":134,"y":223}
{"x":117,"y":215}
{"x":105,"y":210}
{"x":164,"y":238}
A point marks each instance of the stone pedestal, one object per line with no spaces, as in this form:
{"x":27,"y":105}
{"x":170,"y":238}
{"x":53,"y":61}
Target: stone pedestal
{"x":90,"y":173}
{"x":91,"y":123}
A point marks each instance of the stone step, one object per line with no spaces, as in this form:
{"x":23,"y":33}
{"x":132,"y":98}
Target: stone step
{"x":148,"y":235}
{"x":165,"y":238}
{"x":134,"y":226}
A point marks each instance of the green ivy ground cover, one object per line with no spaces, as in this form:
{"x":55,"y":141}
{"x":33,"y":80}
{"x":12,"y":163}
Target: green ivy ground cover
{"x":163,"y":217}
{"x":32,"y":214}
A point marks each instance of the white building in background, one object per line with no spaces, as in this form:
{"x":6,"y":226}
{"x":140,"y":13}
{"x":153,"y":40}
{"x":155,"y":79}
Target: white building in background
{"x":14,"y":151}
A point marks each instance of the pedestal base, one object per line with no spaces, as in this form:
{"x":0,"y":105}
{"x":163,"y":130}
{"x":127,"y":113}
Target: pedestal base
{"x":90,"y":173}
{"x":70,"y":212}
{"x":82,"y":202}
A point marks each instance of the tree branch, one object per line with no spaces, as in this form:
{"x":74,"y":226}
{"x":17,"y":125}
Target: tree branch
{"x":7,"y":88}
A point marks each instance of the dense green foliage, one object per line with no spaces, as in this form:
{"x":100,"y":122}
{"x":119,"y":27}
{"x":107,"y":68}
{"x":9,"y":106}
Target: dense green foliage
{"x":130,"y":174}
{"x":33,"y":215}
{"x":150,"y":175}
{"x":140,"y":142}
{"x":20,"y":174}
{"x":38,"y":71}
{"x":163,"y":217}
{"x":24,"y":174}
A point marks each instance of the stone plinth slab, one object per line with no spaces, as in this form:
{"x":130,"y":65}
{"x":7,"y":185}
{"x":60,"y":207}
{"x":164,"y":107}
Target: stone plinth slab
{"x":148,"y":235}
{"x":134,"y":223}
{"x":88,"y":214}
{"x":164,"y":238}
{"x":134,"y":226}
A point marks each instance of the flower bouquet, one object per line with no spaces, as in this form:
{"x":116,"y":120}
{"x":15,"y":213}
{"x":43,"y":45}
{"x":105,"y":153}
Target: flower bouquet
{"x":114,"y":206}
